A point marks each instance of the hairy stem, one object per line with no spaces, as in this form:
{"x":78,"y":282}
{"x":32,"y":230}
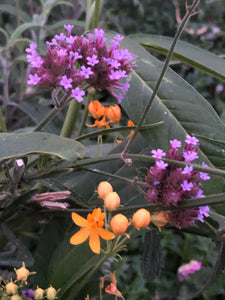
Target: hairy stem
{"x":71,"y":118}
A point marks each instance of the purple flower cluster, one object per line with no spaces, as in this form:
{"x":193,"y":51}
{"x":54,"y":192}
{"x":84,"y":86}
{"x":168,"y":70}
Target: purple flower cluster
{"x":75,"y":63}
{"x":189,"y":268}
{"x":169,"y":184}
{"x":28,"y":294}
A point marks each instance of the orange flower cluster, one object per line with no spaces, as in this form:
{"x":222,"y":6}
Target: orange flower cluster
{"x":92,"y":227}
{"x":100,"y":113}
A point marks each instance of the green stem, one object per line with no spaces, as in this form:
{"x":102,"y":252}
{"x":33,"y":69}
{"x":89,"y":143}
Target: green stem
{"x":190,"y":10}
{"x":50,"y":116}
{"x":97,"y":13}
{"x":2,"y":122}
{"x":85,"y":115}
{"x":71,"y":118}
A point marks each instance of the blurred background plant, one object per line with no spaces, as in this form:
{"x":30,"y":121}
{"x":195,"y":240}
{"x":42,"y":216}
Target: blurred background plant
{"x":25,"y":236}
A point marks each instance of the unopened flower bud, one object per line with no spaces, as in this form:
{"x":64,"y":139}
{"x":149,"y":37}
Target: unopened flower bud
{"x":119,"y":224}
{"x":160,"y":219}
{"x":114,"y":113}
{"x":22,"y":273}
{"x":104,"y":188}
{"x":112,"y":201}
{"x":141,"y":218}
{"x":39,"y":294}
{"x":51,"y":293}
{"x":11,"y":288}
{"x":15,"y":297}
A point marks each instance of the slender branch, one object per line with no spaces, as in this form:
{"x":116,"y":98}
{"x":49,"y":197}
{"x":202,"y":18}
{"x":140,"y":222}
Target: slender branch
{"x":48,"y":118}
{"x":2,"y":122}
{"x":190,"y":10}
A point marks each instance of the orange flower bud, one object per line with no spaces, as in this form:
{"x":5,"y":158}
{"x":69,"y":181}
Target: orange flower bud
{"x":114,"y":114}
{"x":51,"y":293}
{"x":112,"y":201}
{"x":15,"y":297}
{"x":96,"y":109}
{"x":22,"y":273}
{"x":104,"y":188}
{"x":119,"y":224}
{"x":160,"y":219}
{"x":11,"y":288}
{"x":39,"y":294}
{"x":141,"y":218}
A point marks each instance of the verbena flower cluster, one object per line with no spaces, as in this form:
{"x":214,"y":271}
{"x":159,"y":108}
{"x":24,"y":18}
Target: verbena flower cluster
{"x":169,"y":185}
{"x":189,"y":268}
{"x":75,"y":63}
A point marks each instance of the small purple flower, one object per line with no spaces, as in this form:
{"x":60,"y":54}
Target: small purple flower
{"x":158,"y":154}
{"x":204,"y":176}
{"x":203,"y":212}
{"x":32,"y":48}
{"x":117,"y":75}
{"x":28,"y":294}
{"x":68,"y":28}
{"x":86,"y":72}
{"x":187,"y":186}
{"x":99,"y":33}
{"x":187,"y":170}
{"x":66,"y":82}
{"x":91,"y":61}
{"x":200,"y":194}
{"x":189,"y":156}
{"x":33,"y":79}
{"x":62,"y":52}
{"x":77,"y":93}
{"x":191,"y":140}
{"x":189,"y":268}
{"x":118,"y":37}
{"x":60,"y":37}
{"x":36,"y":61}
{"x":175,"y":144}
{"x":161,"y":164}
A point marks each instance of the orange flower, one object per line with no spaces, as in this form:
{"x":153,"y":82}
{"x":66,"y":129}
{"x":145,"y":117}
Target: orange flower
{"x":91,"y":227}
{"x":96,"y":109}
{"x":114,"y":114}
{"x":100,"y":124}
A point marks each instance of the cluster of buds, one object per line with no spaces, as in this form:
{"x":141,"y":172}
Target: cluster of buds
{"x":16,"y":290}
{"x":169,"y":185}
{"x":76,"y":63}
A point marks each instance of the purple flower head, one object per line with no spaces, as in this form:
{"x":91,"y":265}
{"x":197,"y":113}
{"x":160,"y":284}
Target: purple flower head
{"x":33,"y":79}
{"x":187,"y":186}
{"x":77,"y":93}
{"x":189,"y":156}
{"x":191,"y":140}
{"x":158,"y":154}
{"x":189,"y":268}
{"x":68,"y":28}
{"x":161,"y":164}
{"x":91,"y":61}
{"x":203,"y":212}
{"x":86,"y":72}
{"x":28,"y":294}
{"x":175,"y":144}
{"x":66,"y":82}
{"x":187,"y":170}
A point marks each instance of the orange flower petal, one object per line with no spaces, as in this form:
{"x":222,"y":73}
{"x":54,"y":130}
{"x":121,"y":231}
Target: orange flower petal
{"x":80,"y":237}
{"x":78,"y":220}
{"x":105,"y":234}
{"x":94,"y":242}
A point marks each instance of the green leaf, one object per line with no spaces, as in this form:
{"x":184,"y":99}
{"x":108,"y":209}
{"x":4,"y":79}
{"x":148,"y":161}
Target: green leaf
{"x":20,"y":29}
{"x":71,"y":265}
{"x":15,"y":145}
{"x":205,"y":61}
{"x":7,"y":8}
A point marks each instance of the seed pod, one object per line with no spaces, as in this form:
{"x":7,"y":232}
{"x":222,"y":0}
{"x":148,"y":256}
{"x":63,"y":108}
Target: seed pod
{"x":119,"y":224}
{"x":104,"y":188}
{"x":141,"y":218}
{"x":112,"y":201}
